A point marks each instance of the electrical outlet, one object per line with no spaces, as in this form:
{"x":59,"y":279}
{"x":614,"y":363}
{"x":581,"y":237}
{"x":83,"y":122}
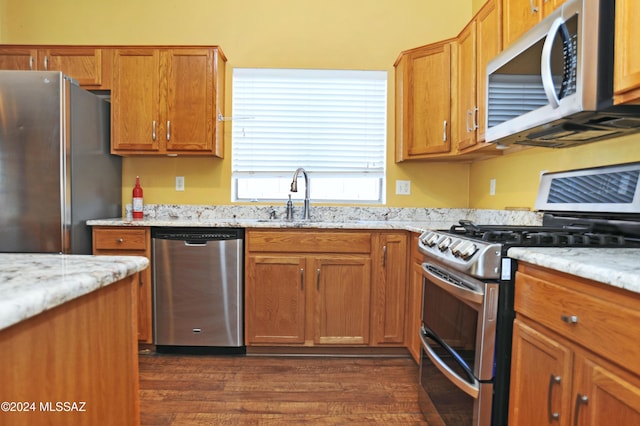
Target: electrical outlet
{"x":179,"y":183}
{"x":403,"y":187}
{"x":492,"y":187}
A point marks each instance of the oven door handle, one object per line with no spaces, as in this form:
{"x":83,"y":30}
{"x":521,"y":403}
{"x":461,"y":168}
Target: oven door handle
{"x":472,"y":389}
{"x":457,"y":290}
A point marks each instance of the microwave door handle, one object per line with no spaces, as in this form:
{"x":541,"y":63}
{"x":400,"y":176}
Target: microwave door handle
{"x":545,"y":64}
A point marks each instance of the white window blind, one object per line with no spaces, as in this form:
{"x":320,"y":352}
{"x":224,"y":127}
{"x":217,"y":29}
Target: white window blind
{"x":331,"y":122}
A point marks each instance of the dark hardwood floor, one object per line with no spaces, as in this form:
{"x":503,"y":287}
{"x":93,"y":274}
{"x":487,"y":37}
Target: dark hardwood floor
{"x":267,"y":390}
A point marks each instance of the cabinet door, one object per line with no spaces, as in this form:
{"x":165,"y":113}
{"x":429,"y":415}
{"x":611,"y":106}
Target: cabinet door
{"x":275,"y":299}
{"x":82,"y":64}
{"x":540,"y":379}
{"x":18,"y":58}
{"x":603,"y":396}
{"x":518,"y":17}
{"x":489,"y":44}
{"x":342,"y":287}
{"x":549,"y":6}
{"x":414,"y":311}
{"x":135,"y":118}
{"x":190,"y":115}
{"x":423,"y":102}
{"x":465,"y":122}
{"x":627,"y":59}
{"x":389,"y":297}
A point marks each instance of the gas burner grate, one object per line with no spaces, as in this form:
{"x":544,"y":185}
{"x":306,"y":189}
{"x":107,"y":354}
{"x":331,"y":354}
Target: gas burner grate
{"x":541,"y":236}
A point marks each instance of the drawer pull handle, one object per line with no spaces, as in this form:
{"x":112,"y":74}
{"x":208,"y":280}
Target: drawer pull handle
{"x":384,"y":256}
{"x":580,"y":400}
{"x":553,"y":415}
{"x":120,"y":240}
{"x":569,"y":319}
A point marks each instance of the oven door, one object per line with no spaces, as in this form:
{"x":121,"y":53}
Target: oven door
{"x":458,"y":345}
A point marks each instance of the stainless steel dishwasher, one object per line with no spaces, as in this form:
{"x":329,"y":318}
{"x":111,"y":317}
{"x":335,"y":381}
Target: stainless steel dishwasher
{"x":198,"y":289}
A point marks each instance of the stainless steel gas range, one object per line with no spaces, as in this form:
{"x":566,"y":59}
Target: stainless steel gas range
{"x":468,"y":286}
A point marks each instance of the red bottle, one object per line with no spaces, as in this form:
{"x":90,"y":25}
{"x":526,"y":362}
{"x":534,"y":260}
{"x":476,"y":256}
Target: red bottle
{"x":137,"y":200}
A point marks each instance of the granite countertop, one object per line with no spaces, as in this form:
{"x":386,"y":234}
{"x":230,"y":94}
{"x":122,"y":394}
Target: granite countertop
{"x":619,"y":267}
{"x":322,"y":217}
{"x":33,"y":283}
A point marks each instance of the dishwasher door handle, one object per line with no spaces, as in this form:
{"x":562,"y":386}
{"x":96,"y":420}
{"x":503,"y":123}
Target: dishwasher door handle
{"x":187,"y":243}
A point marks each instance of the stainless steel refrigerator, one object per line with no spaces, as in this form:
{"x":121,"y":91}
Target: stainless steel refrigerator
{"x":56,"y":170}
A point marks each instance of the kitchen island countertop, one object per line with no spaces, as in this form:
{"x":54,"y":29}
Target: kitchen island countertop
{"x":33,"y":283}
{"x":618,"y":267}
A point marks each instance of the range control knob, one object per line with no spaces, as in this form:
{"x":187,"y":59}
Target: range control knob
{"x":430,"y":239}
{"x":456,"y":246}
{"x":468,"y":251}
{"x":444,"y":243}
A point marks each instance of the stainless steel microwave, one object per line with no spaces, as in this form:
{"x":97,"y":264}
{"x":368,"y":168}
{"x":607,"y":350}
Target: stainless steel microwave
{"x":553,"y":87}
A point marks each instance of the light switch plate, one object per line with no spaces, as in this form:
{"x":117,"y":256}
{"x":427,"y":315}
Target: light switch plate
{"x":179,"y":183}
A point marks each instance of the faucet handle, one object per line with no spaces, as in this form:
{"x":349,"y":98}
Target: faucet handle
{"x":289,"y":209}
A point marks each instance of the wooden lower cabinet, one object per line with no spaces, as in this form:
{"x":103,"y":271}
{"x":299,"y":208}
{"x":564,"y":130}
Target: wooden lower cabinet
{"x":275,"y":299}
{"x":128,"y":241}
{"x":341,"y":292}
{"x":319,"y":288}
{"x":389,"y":287}
{"x":75,"y":364}
{"x":414,"y":300}
{"x":575,"y":349}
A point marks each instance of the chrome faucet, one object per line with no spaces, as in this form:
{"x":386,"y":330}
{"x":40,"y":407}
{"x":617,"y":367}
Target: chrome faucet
{"x":306,"y":214}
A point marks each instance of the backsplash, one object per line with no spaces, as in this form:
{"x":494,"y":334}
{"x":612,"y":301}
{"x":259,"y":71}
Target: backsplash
{"x":445,"y":217}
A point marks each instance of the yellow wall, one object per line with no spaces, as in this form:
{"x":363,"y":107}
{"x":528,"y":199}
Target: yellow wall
{"x":349,"y":34}
{"x":517,"y":174}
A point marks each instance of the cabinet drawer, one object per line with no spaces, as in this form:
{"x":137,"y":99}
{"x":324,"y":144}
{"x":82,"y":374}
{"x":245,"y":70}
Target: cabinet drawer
{"x":309,"y":242}
{"x":119,"y":239}
{"x":605,"y":325}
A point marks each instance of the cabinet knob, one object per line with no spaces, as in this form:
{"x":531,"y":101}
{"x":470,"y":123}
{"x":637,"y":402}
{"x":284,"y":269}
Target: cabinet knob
{"x":569,"y":319}
{"x":120,"y":240}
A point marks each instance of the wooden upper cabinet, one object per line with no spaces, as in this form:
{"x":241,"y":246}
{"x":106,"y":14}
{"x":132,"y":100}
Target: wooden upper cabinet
{"x":521,"y":15}
{"x":89,"y":66}
{"x":488,"y":45}
{"x":167,"y":101}
{"x":423,"y":102}
{"x":478,"y":43}
{"x":135,"y":101}
{"x":18,"y":58}
{"x":465,"y":118}
{"x":82,"y":64}
{"x":190,"y":114}
{"x":626,"y":80}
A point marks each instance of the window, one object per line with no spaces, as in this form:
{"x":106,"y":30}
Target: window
{"x":330,"y":122}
